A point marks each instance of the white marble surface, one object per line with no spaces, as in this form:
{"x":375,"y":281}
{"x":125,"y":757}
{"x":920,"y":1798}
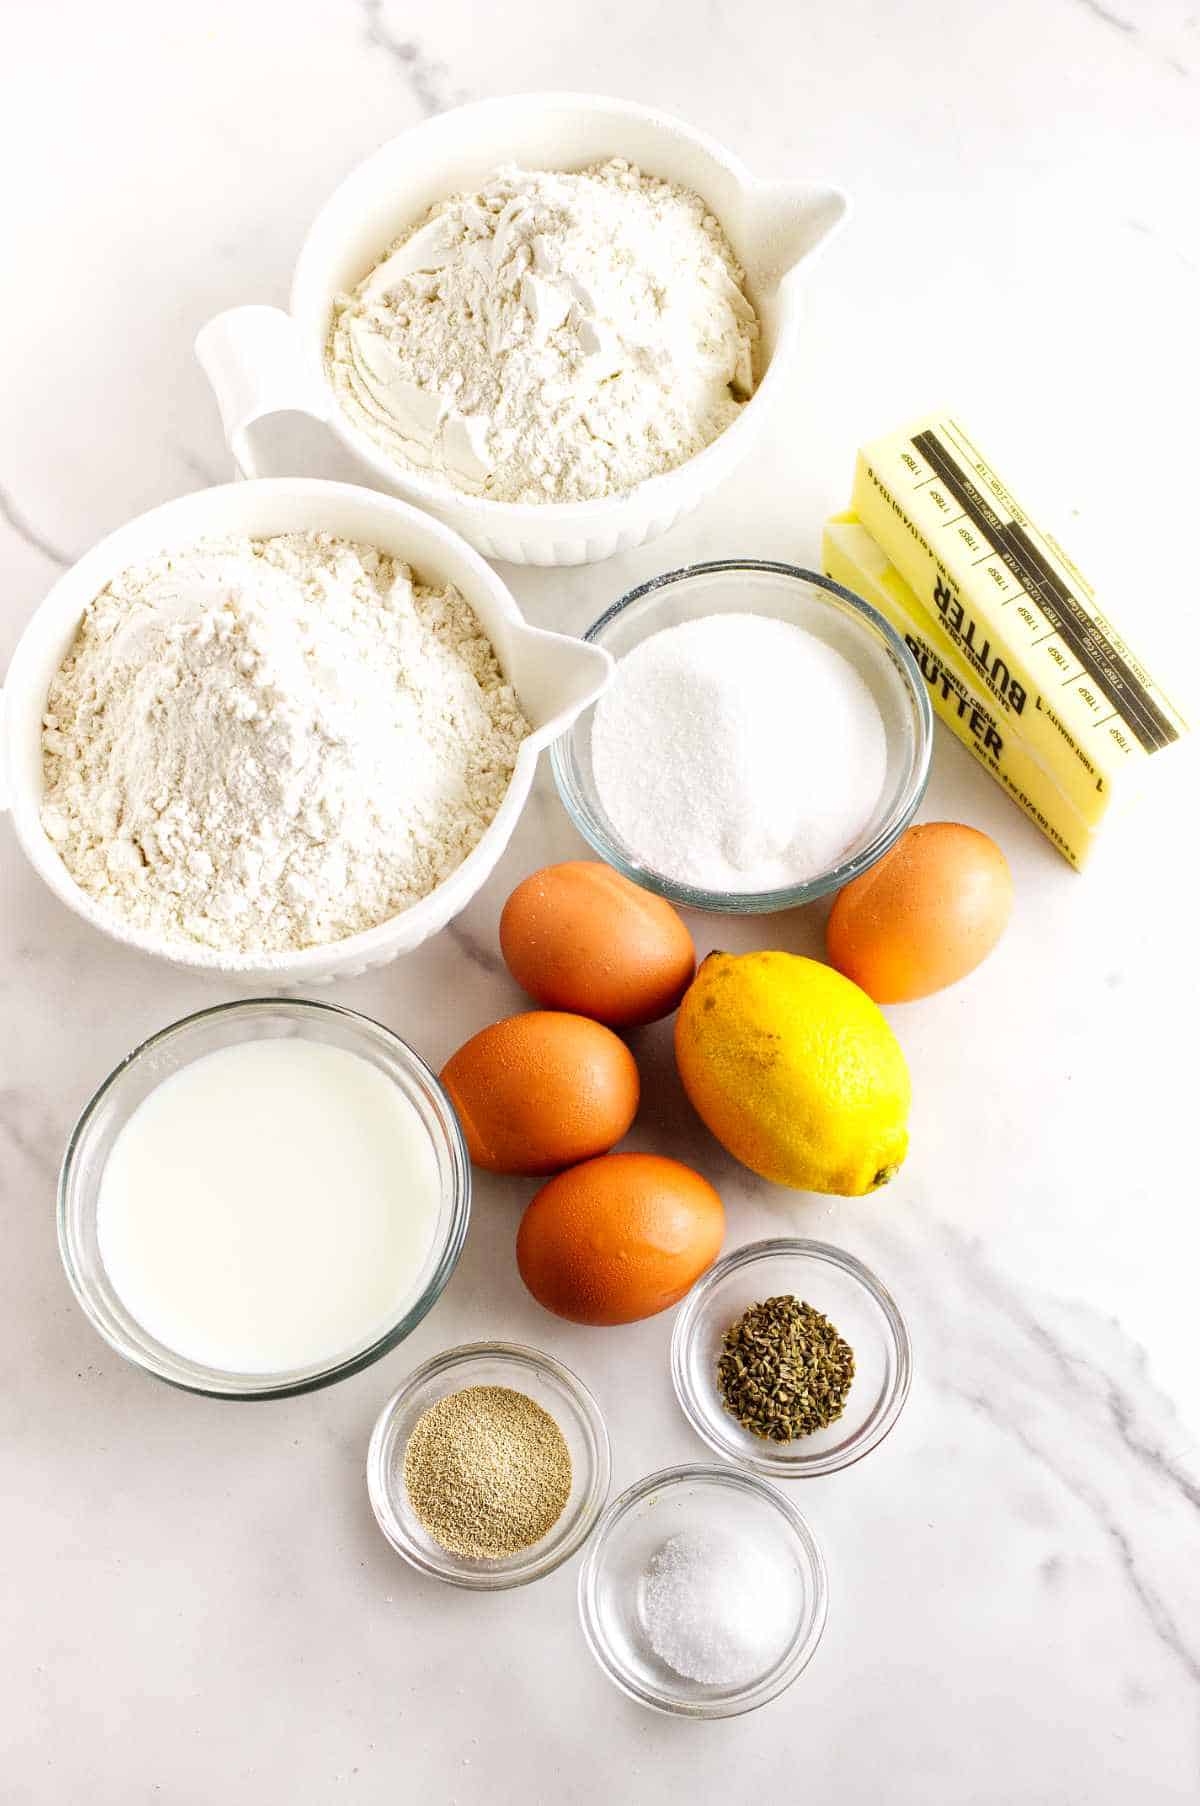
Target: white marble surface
{"x":197,"y":1604}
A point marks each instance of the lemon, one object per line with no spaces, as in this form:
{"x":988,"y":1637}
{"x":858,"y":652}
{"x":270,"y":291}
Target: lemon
{"x":795,"y":1071}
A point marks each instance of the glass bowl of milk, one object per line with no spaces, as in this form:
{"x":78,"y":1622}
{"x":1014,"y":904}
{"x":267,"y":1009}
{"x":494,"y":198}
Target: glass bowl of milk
{"x":263,"y":1198}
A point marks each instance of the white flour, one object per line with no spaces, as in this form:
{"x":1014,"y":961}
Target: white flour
{"x":273,"y":743}
{"x":554,"y":337}
{"x":738,"y":753}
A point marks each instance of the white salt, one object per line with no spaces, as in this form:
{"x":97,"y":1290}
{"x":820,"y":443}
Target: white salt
{"x":717,"y":1608}
{"x":738,"y":753}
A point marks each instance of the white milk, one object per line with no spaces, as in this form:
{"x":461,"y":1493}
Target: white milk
{"x":269,"y":1206}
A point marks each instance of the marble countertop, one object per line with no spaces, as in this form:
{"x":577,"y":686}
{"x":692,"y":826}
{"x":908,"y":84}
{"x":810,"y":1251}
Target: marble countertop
{"x":198,"y":1605}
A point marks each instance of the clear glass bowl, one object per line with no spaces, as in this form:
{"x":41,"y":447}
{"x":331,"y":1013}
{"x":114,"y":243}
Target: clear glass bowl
{"x":823,"y":608}
{"x":549,"y":1384}
{"x":694,"y":1498}
{"x":859,"y":1308}
{"x":261,"y":1018}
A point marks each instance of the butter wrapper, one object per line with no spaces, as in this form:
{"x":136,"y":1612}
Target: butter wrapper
{"x":1017,"y":610}
{"x":852,"y":558}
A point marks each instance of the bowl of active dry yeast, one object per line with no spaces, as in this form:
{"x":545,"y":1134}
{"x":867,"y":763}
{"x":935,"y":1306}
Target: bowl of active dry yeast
{"x":280,"y":730}
{"x":554,"y":320}
{"x":765,"y":737}
{"x":263,"y":1198}
{"x":489,"y":1466}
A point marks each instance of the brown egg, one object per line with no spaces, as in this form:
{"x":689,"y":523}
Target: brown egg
{"x":619,"y":1238}
{"x":540,"y":1091}
{"x":581,"y":937}
{"x":924,"y":916}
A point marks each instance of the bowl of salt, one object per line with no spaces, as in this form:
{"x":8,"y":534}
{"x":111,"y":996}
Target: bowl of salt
{"x":703,"y":1594}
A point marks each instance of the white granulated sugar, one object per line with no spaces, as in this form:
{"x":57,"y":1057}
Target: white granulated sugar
{"x":738,"y":753}
{"x":265,"y":744}
{"x":553,"y":337}
{"x":716,"y":1607}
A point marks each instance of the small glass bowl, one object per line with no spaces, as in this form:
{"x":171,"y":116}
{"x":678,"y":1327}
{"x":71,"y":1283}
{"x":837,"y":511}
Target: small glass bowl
{"x":691,"y":1498}
{"x":549,"y":1384}
{"x":260,"y":1018}
{"x":859,"y":1308}
{"x":823,"y":608}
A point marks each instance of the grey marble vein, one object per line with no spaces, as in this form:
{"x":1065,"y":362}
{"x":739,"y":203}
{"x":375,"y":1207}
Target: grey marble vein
{"x":1144,"y":231}
{"x":25,"y":1129}
{"x":200,"y":469}
{"x":1092,"y":1399}
{"x":12,"y":517}
{"x":1129,"y":28}
{"x":1122,"y":1413}
{"x":1121,"y":1410}
{"x":424,"y":75}
{"x":1109,"y":18}
{"x":475,"y":949}
{"x":1154,"y":1607}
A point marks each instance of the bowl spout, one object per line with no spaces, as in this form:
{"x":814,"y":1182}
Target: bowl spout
{"x":789,"y":220}
{"x":556,"y":677}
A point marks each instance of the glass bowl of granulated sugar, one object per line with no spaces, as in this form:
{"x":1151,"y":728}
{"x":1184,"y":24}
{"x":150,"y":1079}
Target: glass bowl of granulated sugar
{"x":765,"y":738}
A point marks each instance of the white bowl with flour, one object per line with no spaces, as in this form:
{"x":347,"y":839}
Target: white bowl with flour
{"x":268,"y":367}
{"x":554,"y":676}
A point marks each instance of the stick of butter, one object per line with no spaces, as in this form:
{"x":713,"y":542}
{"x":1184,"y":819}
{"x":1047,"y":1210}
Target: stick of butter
{"x":1016,"y":609}
{"x":851,"y":557}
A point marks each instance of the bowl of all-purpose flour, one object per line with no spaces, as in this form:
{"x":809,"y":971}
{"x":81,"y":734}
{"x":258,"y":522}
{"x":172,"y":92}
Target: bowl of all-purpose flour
{"x":554,"y":320}
{"x":282,"y":730}
{"x":764,"y":739}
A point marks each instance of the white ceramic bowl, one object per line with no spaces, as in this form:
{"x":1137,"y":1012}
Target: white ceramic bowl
{"x":263,"y":362}
{"x":554,"y":676}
